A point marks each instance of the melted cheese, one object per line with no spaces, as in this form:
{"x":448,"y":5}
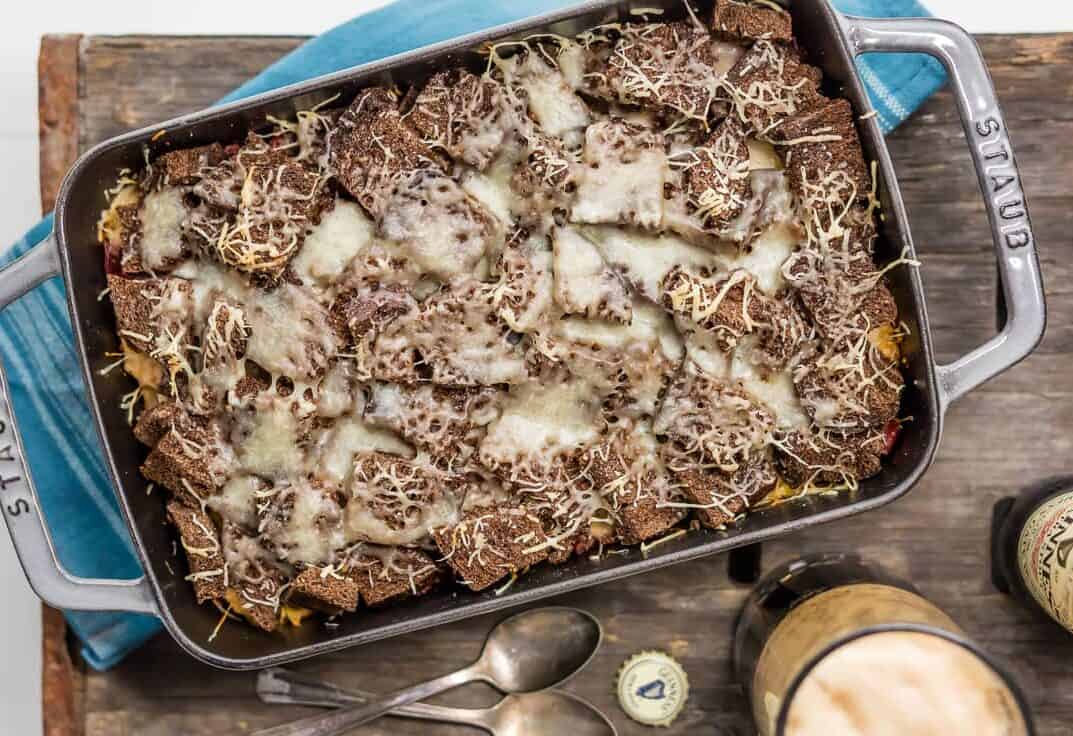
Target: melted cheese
{"x":571,"y":61}
{"x":776,"y":391}
{"x":270,"y":447}
{"x":349,"y":436}
{"x":552,"y":102}
{"x":765,"y":256}
{"x":399,"y":505}
{"x":539,"y":421}
{"x":645,"y":259}
{"x":492,"y":189}
{"x":306,"y":525}
{"x":650,"y":326}
{"x":289,"y":332}
{"x":762,"y":155}
{"x":162,"y":214}
{"x":237,"y":500}
{"x":335,"y":395}
{"x":440,"y":226}
{"x":583,"y":282}
{"x":618,"y":187}
{"x":330,"y":246}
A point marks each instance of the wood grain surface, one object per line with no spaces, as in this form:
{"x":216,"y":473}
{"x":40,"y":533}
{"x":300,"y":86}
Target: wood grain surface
{"x":57,"y":106}
{"x":1014,"y":430}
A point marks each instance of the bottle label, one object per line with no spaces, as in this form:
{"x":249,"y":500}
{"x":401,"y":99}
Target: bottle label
{"x":1045,"y":557}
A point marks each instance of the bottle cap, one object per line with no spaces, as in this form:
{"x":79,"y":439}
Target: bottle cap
{"x":652,"y":688}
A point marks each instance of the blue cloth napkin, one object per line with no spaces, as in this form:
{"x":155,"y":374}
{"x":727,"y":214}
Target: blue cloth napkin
{"x":37,"y":346}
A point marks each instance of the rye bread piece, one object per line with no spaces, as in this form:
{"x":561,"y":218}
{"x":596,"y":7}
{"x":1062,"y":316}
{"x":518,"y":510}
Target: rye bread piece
{"x":119,"y":228}
{"x":255,"y":580}
{"x":201,"y":541}
{"x":819,"y":457}
{"x":269,"y":230}
{"x":584,"y":284}
{"x":633,"y":483}
{"x":156,"y":421}
{"x":427,"y":345}
{"x":462,"y":115}
{"x":394,"y":501}
{"x":148,"y":311}
{"x":838,"y":282}
{"x":748,"y":21}
{"x":728,"y":306}
{"x":447,"y":423}
{"x":185,"y":461}
{"x":323,"y":589}
{"x":786,"y":337}
{"x":821,"y":143}
{"x":184,"y":166}
{"x":717,"y":176}
{"x":770,"y":203}
{"x":371,"y":146}
{"x":839,"y":312}
{"x":673,"y":67}
{"x":769,"y":84}
{"x":443,"y":229}
{"x":358,"y":315}
{"x":722,"y":496}
{"x":487,"y":544}
{"x":219,"y":185}
{"x":385,"y":574}
{"x":849,"y":386}
{"x":546,"y":178}
{"x":622,"y":176}
{"x":525,"y":293}
{"x":302,"y":523}
{"x":226,"y":334}
{"x":708,"y":423}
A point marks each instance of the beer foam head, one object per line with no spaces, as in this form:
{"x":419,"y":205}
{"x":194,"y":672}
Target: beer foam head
{"x":903,"y":682}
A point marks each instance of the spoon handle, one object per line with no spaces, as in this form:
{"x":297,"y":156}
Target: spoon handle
{"x":280,"y":686}
{"x":341,"y":721}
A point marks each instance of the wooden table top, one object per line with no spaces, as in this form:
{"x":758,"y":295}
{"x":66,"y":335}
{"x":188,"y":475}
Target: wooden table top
{"x":1016,"y":429}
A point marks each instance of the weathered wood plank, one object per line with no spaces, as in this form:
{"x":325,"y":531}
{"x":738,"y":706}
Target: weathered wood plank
{"x":1013,"y":430}
{"x":57,"y":103}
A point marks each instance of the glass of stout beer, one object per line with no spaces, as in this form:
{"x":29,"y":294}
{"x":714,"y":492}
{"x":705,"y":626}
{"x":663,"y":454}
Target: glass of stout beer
{"x":833,"y":645}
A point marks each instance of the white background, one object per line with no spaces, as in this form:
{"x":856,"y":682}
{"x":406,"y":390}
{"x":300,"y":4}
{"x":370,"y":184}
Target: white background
{"x":19,"y":206}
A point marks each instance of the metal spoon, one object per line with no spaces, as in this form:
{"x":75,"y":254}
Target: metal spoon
{"x":529,"y":651}
{"x":546,"y":713}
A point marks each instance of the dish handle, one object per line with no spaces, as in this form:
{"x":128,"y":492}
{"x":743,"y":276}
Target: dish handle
{"x":1000,"y":183}
{"x":18,"y":495}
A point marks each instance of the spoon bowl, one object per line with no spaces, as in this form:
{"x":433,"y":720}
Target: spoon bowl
{"x":537,"y":649}
{"x":547,"y":713}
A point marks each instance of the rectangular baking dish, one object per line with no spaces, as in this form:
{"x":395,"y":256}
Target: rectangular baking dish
{"x":831,"y":41}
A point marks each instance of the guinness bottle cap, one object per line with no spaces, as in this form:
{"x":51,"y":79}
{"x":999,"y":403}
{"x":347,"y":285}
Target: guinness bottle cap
{"x":652,"y":688}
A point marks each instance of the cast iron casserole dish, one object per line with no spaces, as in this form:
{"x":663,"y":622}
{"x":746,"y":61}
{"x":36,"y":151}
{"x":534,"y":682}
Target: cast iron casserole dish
{"x":830,"y":41}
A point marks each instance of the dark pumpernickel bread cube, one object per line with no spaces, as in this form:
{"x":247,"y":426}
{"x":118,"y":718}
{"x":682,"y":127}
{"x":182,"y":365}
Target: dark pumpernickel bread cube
{"x":371,"y":145}
{"x":487,"y":544}
{"x":769,"y":84}
{"x":461,"y":114}
{"x":185,"y":165}
{"x":721,"y":495}
{"x":384,"y":574}
{"x":201,"y":541}
{"x":324,"y":589}
{"x":821,"y":147}
{"x":818,"y":458}
{"x":748,"y":21}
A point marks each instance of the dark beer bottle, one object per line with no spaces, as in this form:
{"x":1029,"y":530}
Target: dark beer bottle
{"x":1032,"y":548}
